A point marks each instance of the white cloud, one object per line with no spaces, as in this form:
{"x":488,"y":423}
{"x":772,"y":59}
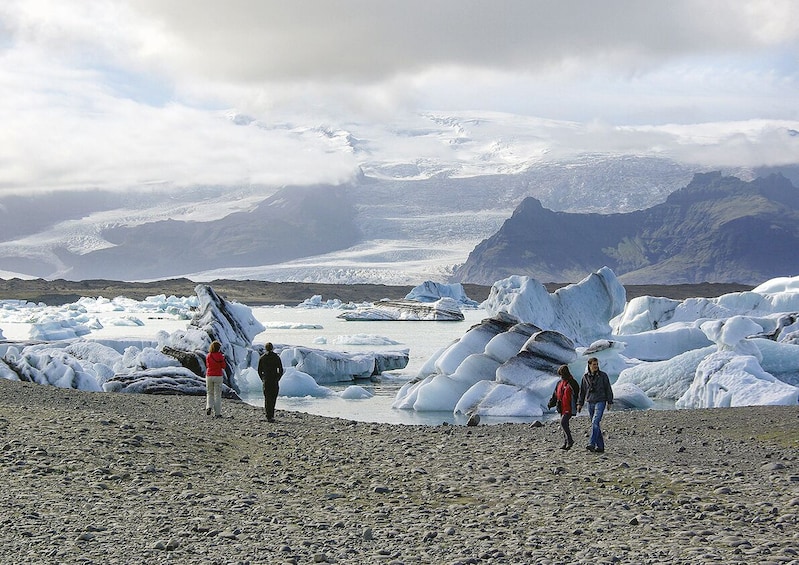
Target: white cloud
{"x":63,"y":129}
{"x":109,"y":93}
{"x":255,"y":40}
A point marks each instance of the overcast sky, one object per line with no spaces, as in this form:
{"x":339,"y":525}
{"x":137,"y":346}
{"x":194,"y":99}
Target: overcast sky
{"x":123,"y":93}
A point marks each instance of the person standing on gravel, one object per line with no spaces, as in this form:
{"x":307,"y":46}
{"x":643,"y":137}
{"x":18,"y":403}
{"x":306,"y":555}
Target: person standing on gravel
{"x":565,"y":399}
{"x":215,"y":365}
{"x":270,"y":369}
{"x":595,"y":389}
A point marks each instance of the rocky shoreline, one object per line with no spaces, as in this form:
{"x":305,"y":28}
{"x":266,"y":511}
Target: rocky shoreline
{"x":126,"y":478}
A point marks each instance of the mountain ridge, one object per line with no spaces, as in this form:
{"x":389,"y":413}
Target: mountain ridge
{"x":401,"y":227}
{"x":716,"y":229}
{"x":401,"y":230}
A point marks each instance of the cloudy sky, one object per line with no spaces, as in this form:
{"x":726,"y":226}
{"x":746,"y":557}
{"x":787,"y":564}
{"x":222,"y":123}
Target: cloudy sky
{"x":97,"y":93}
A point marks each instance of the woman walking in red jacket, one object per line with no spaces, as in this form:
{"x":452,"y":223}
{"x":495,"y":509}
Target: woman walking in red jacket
{"x":565,"y":400}
{"x":214,"y":373}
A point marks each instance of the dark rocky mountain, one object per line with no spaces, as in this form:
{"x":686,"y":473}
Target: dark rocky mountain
{"x":716,"y":229}
{"x":294,"y":222}
{"x":791,"y":172}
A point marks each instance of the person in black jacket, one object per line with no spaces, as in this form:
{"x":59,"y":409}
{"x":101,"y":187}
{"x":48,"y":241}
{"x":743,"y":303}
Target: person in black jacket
{"x":595,"y":389}
{"x":270,"y":369}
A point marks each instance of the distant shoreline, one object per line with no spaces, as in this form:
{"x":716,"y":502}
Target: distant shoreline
{"x":266,"y":293}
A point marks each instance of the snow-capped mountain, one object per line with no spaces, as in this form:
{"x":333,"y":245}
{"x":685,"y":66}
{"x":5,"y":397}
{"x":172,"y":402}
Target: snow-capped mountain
{"x":425,"y":193}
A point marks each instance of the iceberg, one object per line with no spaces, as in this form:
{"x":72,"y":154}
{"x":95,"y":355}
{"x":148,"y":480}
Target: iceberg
{"x":335,"y":367}
{"x":430,"y":291}
{"x":297,"y":383}
{"x":724,"y":379}
{"x":581,"y":311}
{"x":734,"y":350}
{"x":63,"y":354}
{"x":442,"y":310}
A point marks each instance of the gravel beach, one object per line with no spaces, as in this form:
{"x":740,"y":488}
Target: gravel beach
{"x":125,"y":478}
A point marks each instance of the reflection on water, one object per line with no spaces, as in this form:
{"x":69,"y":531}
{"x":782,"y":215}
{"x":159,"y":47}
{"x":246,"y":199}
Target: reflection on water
{"x":378,"y":408}
{"x":375,"y":409}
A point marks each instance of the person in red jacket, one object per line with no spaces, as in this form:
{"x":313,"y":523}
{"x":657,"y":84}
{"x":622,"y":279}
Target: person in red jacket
{"x":214,"y":374}
{"x":564,"y":398}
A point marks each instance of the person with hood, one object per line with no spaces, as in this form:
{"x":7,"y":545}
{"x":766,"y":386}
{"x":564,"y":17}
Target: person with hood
{"x":270,"y":369}
{"x":564,"y":398}
{"x":595,"y":390}
{"x":215,"y":365}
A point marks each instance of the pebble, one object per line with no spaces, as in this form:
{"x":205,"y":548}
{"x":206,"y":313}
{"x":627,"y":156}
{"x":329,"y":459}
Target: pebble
{"x":96,"y":478}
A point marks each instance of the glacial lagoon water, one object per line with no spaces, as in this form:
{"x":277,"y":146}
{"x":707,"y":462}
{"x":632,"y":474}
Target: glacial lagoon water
{"x":321,"y":328}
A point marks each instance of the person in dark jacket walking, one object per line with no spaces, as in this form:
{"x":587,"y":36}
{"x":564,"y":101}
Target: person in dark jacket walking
{"x":270,"y":369}
{"x":595,"y":389}
{"x":564,"y":398}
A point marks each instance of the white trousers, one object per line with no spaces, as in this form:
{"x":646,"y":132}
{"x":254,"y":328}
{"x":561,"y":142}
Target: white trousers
{"x":213,"y":394}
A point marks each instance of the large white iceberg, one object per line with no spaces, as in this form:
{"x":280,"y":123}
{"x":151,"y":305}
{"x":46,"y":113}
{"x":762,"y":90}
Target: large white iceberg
{"x":737,"y":349}
{"x":507,"y":364}
{"x":581,"y":311}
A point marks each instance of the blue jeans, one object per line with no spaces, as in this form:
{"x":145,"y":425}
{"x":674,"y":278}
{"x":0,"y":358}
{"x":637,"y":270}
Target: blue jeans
{"x":596,"y":410}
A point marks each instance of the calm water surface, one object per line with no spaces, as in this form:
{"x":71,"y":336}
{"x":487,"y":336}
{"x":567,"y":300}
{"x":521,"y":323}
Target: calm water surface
{"x":321,"y":329}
